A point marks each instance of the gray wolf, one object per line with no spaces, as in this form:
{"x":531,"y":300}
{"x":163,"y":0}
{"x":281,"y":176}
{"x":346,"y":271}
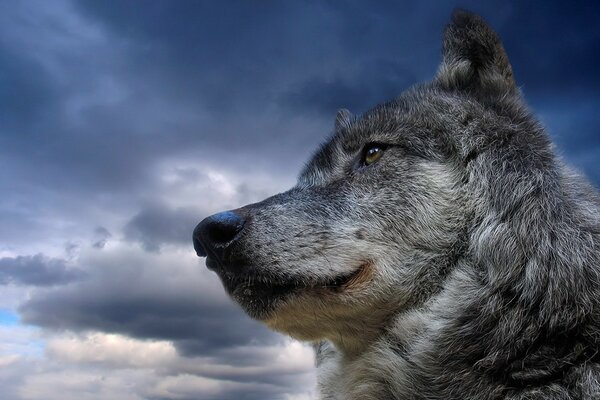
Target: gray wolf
{"x":435,"y":247}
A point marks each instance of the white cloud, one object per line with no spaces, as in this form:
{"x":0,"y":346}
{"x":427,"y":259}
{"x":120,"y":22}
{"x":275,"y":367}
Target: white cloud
{"x":69,"y":383}
{"x":8,"y":360}
{"x":215,"y":186}
{"x":97,"y":365}
{"x":122,"y":352}
{"x":186,"y":386}
{"x":112,"y":350}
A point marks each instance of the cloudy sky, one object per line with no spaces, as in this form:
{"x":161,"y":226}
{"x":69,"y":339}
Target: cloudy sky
{"x":123,"y":124}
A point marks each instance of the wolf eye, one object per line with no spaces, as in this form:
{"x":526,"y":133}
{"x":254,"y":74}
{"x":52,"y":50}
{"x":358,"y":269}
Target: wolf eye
{"x":372,"y":154}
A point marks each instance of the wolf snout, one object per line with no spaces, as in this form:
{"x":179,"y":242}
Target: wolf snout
{"x":216,"y":233}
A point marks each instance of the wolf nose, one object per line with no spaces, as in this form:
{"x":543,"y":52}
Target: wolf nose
{"x":216,"y":232}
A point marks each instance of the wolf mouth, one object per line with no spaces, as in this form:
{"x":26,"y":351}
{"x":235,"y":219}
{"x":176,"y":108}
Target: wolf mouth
{"x":247,"y":287}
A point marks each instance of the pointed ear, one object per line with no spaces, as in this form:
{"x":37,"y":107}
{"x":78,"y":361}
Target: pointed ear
{"x":343,"y":119}
{"x":473,"y":57}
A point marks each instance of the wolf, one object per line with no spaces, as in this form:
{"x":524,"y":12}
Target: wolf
{"x":434,"y":247}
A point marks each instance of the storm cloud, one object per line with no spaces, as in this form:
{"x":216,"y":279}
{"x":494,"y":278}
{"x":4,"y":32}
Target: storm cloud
{"x":123,"y":124}
{"x":37,"y":270}
{"x":148,"y":296}
{"x":156,"y":225}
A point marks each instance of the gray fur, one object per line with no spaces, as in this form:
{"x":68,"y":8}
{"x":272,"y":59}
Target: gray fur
{"x":477,"y":249}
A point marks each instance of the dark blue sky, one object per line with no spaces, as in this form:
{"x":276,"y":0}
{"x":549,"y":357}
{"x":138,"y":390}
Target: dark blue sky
{"x":122,"y":124}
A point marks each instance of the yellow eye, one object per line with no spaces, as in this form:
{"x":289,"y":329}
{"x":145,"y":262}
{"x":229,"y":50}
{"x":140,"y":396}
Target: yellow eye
{"x":372,"y":155}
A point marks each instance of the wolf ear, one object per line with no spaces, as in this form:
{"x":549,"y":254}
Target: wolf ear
{"x":473,"y":57}
{"x":343,"y":119}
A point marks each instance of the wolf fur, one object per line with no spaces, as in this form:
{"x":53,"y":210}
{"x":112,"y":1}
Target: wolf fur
{"x":463,"y":264}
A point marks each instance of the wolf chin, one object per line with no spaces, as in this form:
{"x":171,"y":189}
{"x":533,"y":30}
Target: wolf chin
{"x":434,"y":248}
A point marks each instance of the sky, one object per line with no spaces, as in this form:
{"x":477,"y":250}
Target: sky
{"x":123,"y":124}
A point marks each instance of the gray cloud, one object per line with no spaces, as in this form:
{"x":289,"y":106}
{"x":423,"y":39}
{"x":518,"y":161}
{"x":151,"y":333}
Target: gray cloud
{"x":107,"y":90}
{"x":37,"y":270}
{"x":168,"y":296}
{"x":358,"y":92}
{"x":101,"y":236}
{"x":156,"y":225}
{"x":195,"y":327}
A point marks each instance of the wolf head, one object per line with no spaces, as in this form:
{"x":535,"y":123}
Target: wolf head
{"x":390,"y":204}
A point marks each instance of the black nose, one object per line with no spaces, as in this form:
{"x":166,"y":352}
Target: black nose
{"x":215,"y":233}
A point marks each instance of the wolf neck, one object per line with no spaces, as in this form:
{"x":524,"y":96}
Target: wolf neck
{"x":530,"y":272}
{"x":353,"y":340}
{"x":536,"y":244}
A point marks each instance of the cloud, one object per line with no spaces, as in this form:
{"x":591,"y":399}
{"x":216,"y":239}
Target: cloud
{"x":96,"y":365}
{"x":111,"y":350}
{"x":156,"y":225}
{"x":72,"y":383}
{"x":168,"y":315}
{"x":162,"y":313}
{"x":167,"y":296}
{"x":187,"y":193}
{"x":373,"y":84}
{"x":37,"y":270}
{"x":109,"y":91}
{"x":101,"y":236}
